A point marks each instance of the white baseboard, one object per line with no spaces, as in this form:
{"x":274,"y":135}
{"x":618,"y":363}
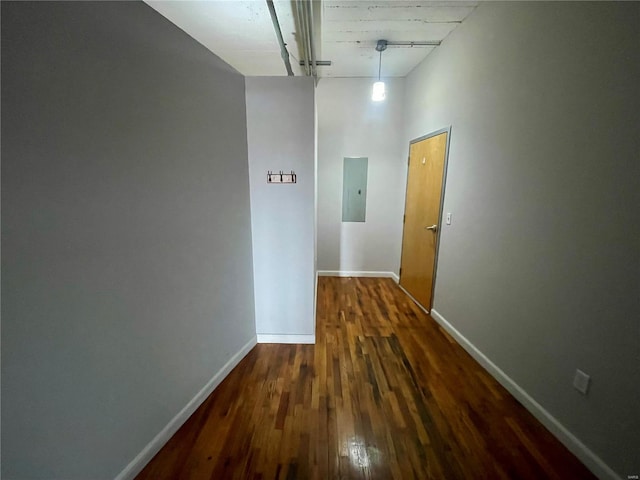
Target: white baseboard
{"x":579,"y":449}
{"x":286,"y":338}
{"x":355,"y":273}
{"x":153,"y":447}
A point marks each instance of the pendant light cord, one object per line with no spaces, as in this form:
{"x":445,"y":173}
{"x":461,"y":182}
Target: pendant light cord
{"x":380,"y":65}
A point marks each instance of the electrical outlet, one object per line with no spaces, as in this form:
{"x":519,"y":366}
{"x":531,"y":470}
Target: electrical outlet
{"x":581,"y":382}
{"x":448,"y":219}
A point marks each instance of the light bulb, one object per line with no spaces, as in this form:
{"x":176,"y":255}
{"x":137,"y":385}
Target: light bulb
{"x":378,"y":94}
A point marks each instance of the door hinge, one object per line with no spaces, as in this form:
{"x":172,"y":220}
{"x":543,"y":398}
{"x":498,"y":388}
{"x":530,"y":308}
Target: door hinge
{"x":404,"y":218}
{"x":409,"y":159}
{"x":400,"y":271}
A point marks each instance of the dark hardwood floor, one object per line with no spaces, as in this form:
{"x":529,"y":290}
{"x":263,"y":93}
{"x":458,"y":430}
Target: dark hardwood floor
{"x":385,"y":393}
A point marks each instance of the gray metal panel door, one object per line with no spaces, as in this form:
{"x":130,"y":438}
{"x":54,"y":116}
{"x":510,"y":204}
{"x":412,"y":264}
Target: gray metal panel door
{"x":354,"y":189}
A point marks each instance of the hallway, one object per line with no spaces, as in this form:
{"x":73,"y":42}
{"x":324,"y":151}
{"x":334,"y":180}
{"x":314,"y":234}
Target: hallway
{"x":385,"y":393}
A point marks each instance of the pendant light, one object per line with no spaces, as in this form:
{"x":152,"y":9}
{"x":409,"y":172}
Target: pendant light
{"x":378,"y":94}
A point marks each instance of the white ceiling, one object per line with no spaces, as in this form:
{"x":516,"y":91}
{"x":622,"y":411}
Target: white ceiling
{"x":242,"y":34}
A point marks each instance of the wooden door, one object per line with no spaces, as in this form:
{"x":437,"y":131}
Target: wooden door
{"x":425,"y":179}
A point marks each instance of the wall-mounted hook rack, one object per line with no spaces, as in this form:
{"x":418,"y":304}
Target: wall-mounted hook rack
{"x":281,"y":177}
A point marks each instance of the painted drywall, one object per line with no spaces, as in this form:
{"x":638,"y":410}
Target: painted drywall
{"x":351,"y":125}
{"x":126,"y":235}
{"x":539,"y":268}
{"x":280,"y":133}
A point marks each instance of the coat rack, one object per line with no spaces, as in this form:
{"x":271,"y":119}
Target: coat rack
{"x":281,"y":177}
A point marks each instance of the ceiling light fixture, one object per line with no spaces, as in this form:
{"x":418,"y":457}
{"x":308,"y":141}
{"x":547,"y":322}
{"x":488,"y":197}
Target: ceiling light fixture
{"x":378,"y":94}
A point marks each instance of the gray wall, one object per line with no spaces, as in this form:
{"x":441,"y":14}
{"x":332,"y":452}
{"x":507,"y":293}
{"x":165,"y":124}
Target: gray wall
{"x":540,"y":267}
{"x":280,"y":132}
{"x":126,"y":266}
{"x":351,"y":125}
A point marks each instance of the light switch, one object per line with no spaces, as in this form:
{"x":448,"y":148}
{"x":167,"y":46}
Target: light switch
{"x":448,"y":219}
{"x":581,"y":382}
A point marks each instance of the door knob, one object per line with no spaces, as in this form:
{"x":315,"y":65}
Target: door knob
{"x":433,"y":228}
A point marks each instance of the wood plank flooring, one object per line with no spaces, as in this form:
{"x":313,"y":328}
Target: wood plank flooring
{"x":384,"y":394}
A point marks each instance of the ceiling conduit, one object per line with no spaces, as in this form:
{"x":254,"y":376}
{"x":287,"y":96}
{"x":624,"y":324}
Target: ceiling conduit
{"x":304,"y":14}
{"x":301,"y":39}
{"x":314,"y":70}
{"x":284,"y":53}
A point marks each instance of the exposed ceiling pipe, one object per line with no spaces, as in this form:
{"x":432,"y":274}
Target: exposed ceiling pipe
{"x":305,"y":22}
{"x":305,"y":34}
{"x":319,"y":63}
{"x":314,"y":68}
{"x":302,"y":38}
{"x":428,"y":43}
{"x":283,"y":46}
